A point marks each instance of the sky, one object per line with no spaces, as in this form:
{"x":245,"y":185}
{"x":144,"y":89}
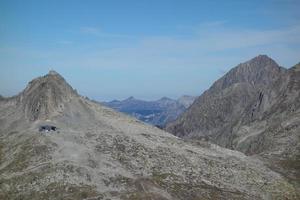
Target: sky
{"x":109,"y":49}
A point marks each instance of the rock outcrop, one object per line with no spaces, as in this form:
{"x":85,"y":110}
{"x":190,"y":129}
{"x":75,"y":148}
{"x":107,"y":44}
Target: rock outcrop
{"x":45,"y":95}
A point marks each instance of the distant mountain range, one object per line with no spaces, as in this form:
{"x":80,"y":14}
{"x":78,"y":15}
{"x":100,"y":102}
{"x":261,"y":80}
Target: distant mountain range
{"x":255,"y":109}
{"x":157,"y":112}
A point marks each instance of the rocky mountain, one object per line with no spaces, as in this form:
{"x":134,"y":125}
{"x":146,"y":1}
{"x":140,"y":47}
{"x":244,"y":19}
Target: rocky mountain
{"x":254,"y":108}
{"x":157,"y":113}
{"x":56,"y":144}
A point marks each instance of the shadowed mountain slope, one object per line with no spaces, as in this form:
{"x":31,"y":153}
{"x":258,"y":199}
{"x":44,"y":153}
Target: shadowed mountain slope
{"x":254,"y":108}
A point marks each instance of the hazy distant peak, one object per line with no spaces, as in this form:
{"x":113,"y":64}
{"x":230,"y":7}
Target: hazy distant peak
{"x":185,"y":96}
{"x":165,"y":99}
{"x":157,"y":112}
{"x":115,"y":101}
{"x":186,"y":100}
{"x":130,"y":98}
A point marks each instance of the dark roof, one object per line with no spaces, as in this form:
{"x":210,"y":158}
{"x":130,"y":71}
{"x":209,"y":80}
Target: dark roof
{"x":47,"y":128}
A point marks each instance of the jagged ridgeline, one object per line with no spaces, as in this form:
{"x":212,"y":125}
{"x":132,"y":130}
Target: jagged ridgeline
{"x":94,"y":152}
{"x":255,"y":109}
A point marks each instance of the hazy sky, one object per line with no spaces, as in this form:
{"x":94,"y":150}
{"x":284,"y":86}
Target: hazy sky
{"x":147,"y":49}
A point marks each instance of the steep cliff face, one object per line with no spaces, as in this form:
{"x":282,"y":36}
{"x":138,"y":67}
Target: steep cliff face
{"x":255,"y":109}
{"x":97,"y":153}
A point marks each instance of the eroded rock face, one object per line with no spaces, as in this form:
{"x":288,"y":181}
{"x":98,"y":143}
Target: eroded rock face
{"x":254,"y":108}
{"x":102,"y":154}
{"x":45,"y":95}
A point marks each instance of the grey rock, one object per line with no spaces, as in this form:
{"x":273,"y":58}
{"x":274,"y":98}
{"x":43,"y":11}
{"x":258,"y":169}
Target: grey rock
{"x":254,"y":108}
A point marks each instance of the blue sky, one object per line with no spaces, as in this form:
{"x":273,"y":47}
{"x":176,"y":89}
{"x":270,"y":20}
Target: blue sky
{"x":147,"y":49}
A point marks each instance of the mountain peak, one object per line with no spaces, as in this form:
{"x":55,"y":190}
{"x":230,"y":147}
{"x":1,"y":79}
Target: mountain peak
{"x":262,"y":56}
{"x":259,"y":70}
{"x":52,"y":72}
{"x":45,"y":95}
{"x":262,"y":60}
{"x":53,"y":75}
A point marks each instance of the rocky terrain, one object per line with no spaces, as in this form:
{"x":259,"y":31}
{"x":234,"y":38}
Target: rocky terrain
{"x":157,"y":113}
{"x":255,"y":109}
{"x":98,"y":153}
